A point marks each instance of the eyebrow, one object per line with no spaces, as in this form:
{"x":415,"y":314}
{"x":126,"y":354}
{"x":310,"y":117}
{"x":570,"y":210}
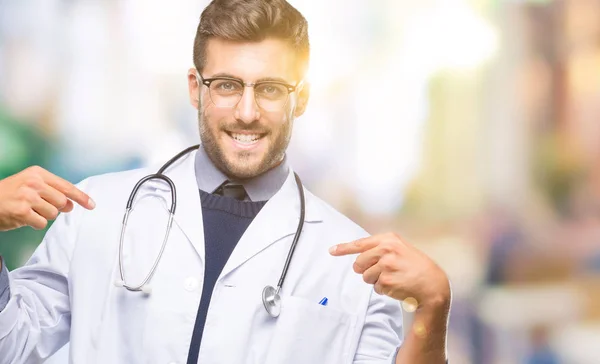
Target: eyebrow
{"x":263,"y":79}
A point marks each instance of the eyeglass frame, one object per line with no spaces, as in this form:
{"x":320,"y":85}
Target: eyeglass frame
{"x":207,"y":82}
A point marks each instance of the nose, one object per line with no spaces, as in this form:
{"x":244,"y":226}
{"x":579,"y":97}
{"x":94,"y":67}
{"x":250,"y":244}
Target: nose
{"x":247,"y":109}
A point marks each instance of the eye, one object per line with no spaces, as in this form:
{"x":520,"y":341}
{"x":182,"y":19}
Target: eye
{"x":226,"y":86}
{"x":271,"y":90}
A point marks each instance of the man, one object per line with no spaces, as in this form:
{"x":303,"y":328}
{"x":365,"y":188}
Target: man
{"x":237,"y":211}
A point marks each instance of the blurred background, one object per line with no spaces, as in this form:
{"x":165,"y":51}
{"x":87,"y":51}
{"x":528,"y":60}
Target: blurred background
{"x":471,"y":127}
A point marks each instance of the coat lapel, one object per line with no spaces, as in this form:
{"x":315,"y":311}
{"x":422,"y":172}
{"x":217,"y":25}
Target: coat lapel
{"x":188,"y":213}
{"x":277,"y":219}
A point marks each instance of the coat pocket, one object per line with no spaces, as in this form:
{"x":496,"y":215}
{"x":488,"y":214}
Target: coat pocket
{"x":307,"y":332}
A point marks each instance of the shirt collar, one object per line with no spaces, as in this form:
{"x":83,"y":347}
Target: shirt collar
{"x":259,"y":188}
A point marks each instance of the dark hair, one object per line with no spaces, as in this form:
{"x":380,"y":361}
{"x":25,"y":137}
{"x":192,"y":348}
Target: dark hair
{"x":254,"y":21}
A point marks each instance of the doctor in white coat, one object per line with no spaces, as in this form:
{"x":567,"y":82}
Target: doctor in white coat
{"x":340,"y":300}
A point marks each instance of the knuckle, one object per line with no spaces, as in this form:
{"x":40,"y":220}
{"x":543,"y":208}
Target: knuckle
{"x":388,"y":263}
{"x":387,"y":247}
{"x":21,"y":193}
{"x":385,"y":280}
{"x":31,"y":196}
{"x":53,"y":213}
{"x":385,"y":265}
{"x":33,"y":170}
{"x":62,"y":202}
{"x":356,"y":267}
{"x":21,"y":211}
{"x":70,"y":189}
{"x":33,"y":181}
{"x":40,"y":225}
{"x":26,"y":194}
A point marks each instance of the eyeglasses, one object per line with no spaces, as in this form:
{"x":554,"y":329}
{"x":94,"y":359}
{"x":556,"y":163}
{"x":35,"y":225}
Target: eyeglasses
{"x":226,"y":92}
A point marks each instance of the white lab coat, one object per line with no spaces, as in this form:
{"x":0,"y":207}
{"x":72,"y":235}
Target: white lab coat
{"x":66,"y":292}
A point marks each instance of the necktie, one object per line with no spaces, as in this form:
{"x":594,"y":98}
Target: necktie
{"x":233,"y":190}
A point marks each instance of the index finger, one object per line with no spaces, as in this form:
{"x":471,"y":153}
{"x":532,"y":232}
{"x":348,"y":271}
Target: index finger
{"x":68,"y":189}
{"x":355,"y":247}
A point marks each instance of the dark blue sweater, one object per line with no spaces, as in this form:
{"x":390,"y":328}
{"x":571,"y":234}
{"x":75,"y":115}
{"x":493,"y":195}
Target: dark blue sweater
{"x":225,"y":221}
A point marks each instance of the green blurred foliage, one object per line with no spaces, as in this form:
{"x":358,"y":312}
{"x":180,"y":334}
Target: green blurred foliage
{"x":21,"y":145}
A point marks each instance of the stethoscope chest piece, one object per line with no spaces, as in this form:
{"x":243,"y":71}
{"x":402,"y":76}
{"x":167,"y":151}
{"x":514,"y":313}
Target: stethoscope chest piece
{"x":272,"y":301}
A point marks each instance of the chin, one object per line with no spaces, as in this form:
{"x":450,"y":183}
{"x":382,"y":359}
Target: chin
{"x":240,"y":169}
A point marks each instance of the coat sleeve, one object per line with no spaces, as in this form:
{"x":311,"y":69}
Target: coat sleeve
{"x":37,"y":318}
{"x":382,"y":332}
{"x":4,"y":286}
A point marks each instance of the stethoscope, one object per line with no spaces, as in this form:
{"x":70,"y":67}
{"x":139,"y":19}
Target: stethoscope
{"x":270,"y":295}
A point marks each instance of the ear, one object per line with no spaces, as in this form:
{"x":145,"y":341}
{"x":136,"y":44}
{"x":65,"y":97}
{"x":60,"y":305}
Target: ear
{"x":302,"y":101}
{"x":193,"y":88}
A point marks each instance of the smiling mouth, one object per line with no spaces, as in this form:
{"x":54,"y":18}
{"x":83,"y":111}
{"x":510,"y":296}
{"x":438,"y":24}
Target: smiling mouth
{"x":247,"y":139}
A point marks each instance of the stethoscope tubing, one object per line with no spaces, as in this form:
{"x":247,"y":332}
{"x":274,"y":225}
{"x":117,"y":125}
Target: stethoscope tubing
{"x":273,"y":297}
{"x":288,"y":260}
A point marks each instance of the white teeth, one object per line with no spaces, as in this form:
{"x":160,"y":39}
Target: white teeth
{"x":245,"y":138}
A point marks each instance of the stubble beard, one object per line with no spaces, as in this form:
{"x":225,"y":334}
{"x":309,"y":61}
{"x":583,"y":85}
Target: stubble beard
{"x":241,"y":170}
